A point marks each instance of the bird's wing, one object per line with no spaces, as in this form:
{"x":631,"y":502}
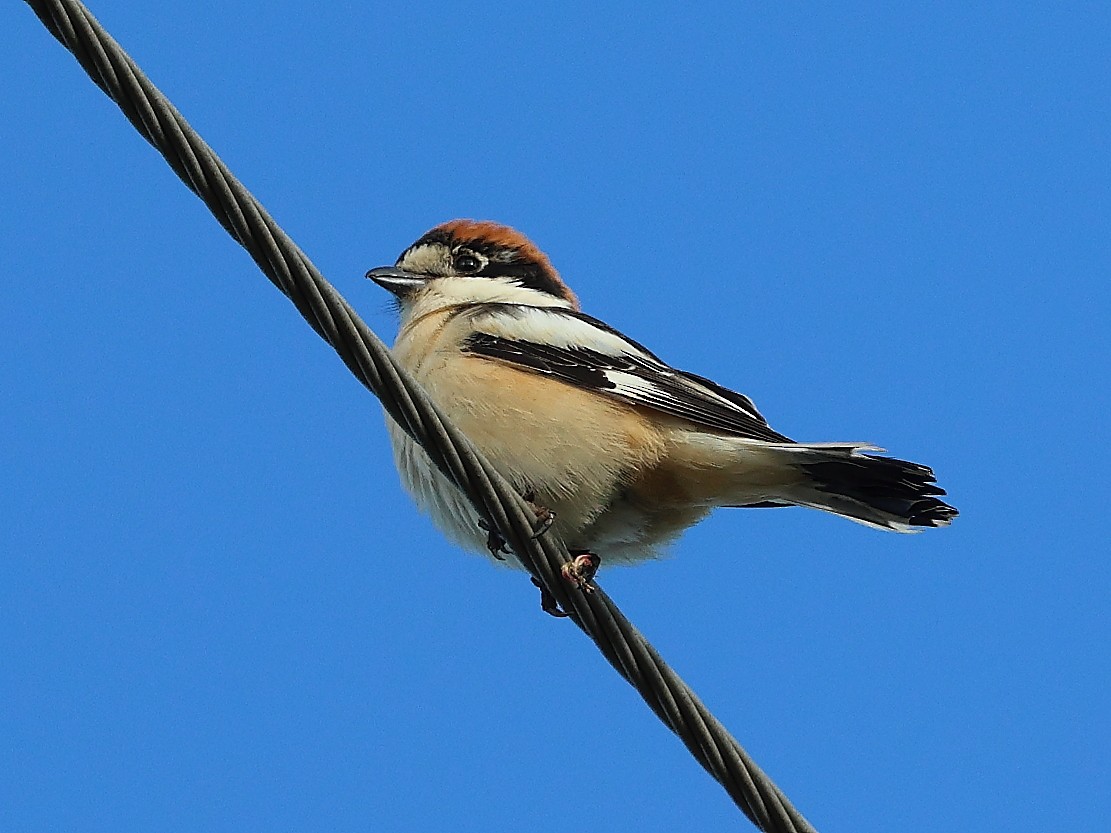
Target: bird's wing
{"x":589,"y":354}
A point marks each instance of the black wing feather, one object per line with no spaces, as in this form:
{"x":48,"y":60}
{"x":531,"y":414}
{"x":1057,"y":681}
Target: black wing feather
{"x":637,"y":377}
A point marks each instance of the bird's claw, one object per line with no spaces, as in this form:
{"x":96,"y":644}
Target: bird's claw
{"x":544,"y":517}
{"x":548,"y":602}
{"x":580,"y":571}
{"x":495,"y":542}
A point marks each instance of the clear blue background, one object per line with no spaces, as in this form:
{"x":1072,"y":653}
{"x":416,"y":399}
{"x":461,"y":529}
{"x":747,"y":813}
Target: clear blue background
{"x":218,"y":611}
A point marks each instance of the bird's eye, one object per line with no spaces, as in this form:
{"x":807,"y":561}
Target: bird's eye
{"x":466,"y":263}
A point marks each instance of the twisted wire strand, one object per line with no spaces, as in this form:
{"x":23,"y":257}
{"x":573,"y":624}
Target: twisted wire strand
{"x":290,"y":270}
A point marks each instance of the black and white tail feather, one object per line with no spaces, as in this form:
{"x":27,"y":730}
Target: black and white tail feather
{"x":568,"y":345}
{"x":881,"y":492}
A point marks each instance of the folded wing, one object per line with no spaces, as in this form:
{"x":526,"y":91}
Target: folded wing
{"x":582,"y":351}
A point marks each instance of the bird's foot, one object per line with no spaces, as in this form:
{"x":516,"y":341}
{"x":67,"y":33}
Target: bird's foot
{"x":495,"y":542}
{"x":548,"y":602}
{"x":580,"y":571}
{"x":545,"y":517}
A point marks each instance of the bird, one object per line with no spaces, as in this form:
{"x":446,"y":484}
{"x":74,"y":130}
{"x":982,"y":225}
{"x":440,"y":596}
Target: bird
{"x":618,"y":451}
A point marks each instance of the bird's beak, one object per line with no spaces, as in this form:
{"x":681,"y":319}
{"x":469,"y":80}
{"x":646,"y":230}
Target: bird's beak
{"x":397,"y":281}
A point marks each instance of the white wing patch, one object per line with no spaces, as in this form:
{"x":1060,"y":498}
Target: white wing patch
{"x":582,"y":351}
{"x":556,"y":326}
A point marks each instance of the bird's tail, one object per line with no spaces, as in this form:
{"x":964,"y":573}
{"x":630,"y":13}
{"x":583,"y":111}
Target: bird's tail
{"x":877,"y":491}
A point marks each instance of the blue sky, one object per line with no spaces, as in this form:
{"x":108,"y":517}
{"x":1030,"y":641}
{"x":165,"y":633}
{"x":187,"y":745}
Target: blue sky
{"x":218,"y":611}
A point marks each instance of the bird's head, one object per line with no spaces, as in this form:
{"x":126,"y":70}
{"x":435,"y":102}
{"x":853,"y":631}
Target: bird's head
{"x":475,"y":261}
